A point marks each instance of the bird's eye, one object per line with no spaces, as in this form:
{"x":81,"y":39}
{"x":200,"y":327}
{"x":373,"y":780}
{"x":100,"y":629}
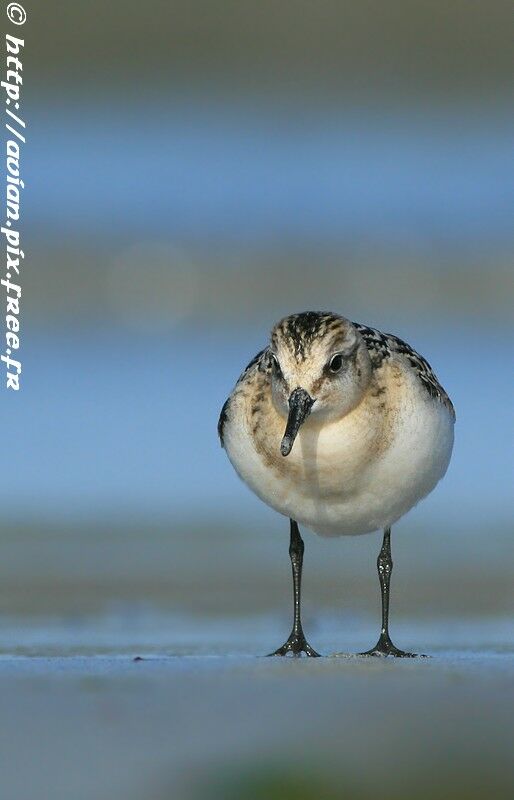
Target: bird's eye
{"x":335,"y":363}
{"x":274,"y":361}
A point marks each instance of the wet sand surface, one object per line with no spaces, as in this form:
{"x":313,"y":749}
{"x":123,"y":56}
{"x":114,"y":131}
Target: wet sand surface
{"x":132,"y":665}
{"x":179,"y":707}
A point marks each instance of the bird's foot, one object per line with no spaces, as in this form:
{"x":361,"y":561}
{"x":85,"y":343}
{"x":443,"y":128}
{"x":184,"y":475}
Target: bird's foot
{"x":384,"y":647}
{"x":295,"y":646}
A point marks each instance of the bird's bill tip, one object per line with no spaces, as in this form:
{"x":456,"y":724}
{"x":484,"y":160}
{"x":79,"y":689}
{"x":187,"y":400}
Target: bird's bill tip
{"x":286,"y":445}
{"x":300,"y":404}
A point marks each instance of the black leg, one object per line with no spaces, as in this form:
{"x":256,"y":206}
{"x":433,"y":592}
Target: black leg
{"x":297,"y":643}
{"x":384,"y":646}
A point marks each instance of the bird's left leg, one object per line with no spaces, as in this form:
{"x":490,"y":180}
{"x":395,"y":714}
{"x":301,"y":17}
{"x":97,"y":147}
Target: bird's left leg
{"x":296,"y":643}
{"x":384,"y":646}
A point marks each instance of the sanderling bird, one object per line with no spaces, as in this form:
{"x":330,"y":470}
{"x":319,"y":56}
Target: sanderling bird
{"x":343,"y":429}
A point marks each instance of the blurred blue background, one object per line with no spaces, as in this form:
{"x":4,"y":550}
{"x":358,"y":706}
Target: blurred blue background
{"x":196,"y":172}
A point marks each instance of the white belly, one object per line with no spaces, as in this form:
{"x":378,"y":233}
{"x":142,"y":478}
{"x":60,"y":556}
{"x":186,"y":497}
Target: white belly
{"x":336,"y":481}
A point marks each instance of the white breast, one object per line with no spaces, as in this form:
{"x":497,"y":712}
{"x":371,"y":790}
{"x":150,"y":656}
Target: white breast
{"x":338,"y":480}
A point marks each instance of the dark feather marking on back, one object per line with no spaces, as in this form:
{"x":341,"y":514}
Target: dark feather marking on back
{"x":222,"y":420}
{"x":256,"y":361}
{"x":381,"y":346}
{"x":261,"y":362}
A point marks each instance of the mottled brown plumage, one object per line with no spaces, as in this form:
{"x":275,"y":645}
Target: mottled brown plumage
{"x":342,"y":428}
{"x":299,"y":331}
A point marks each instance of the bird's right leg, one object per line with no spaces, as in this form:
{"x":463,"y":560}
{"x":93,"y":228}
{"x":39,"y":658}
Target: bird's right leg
{"x":297,"y":643}
{"x":384,"y":646}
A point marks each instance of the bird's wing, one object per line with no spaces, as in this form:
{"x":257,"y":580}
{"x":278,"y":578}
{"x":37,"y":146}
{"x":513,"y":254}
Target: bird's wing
{"x":382,"y":346}
{"x":260,"y":361}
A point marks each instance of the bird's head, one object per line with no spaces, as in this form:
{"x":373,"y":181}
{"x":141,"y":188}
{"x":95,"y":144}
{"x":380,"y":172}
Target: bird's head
{"x":320,"y":368}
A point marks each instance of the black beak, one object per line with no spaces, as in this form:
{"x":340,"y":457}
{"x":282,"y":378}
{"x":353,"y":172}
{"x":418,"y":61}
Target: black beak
{"x":300,"y":404}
